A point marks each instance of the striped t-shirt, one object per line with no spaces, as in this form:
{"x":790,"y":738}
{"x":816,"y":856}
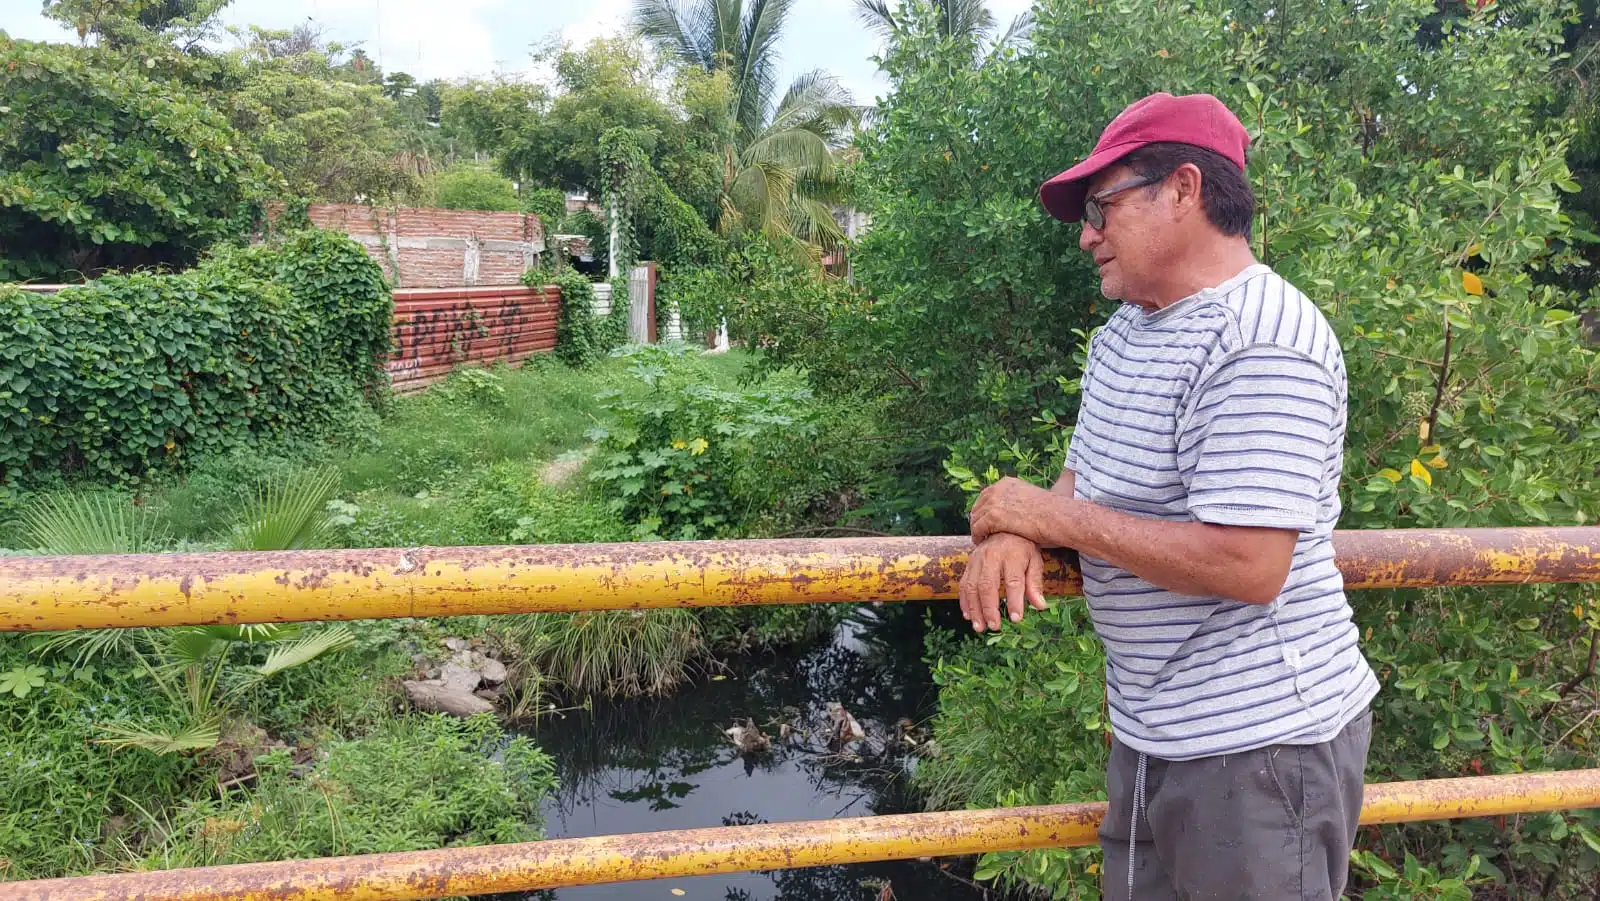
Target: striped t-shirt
{"x":1226,"y":407}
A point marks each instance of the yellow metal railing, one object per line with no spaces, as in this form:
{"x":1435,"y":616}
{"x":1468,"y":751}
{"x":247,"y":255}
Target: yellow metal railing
{"x":93,"y":592}
{"x":54,"y":593}
{"x":732,"y":849}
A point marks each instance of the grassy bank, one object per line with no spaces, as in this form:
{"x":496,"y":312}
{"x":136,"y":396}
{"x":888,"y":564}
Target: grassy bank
{"x":160,"y":748}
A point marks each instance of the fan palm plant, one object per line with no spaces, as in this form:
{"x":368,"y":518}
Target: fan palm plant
{"x":190,"y":665}
{"x":92,"y":523}
{"x":778,"y":173}
{"x":289,"y":513}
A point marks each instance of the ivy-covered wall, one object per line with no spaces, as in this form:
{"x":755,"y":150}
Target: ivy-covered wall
{"x":134,"y":373}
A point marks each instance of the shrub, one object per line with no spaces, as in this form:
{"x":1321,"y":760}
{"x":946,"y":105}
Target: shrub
{"x":1021,"y":721}
{"x":207,"y":362}
{"x":671,"y":458}
{"x":471,"y":187}
{"x":509,"y":503}
{"x":582,"y":338}
{"x":350,"y":305}
{"x":550,"y":205}
{"x":204,"y":504}
{"x":61,"y":789}
{"x":420,"y":782}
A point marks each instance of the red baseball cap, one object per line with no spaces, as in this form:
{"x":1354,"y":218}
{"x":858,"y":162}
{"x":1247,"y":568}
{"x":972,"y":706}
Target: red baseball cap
{"x":1198,"y":119}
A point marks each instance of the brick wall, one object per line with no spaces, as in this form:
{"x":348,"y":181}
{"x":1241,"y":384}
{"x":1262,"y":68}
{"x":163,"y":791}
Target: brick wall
{"x":429,"y":248}
{"x":438,"y":329}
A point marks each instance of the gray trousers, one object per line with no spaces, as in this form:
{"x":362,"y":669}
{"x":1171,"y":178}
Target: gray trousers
{"x":1273,"y":824}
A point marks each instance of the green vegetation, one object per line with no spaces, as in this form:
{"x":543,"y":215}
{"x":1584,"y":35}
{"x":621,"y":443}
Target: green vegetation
{"x":582,"y":339}
{"x":1422,"y":213}
{"x":465,"y":186}
{"x":780,"y":172}
{"x":187,"y":746}
{"x":623,"y":652}
{"x":142,"y":177}
{"x":421,"y":782}
{"x":1426,"y":172}
{"x":273,"y":343}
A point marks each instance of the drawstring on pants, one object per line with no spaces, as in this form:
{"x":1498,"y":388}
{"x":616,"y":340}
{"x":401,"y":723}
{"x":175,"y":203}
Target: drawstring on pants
{"x":1133,"y":827}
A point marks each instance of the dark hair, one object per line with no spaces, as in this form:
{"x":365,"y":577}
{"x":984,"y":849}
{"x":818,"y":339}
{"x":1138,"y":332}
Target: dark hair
{"x":1224,"y":191}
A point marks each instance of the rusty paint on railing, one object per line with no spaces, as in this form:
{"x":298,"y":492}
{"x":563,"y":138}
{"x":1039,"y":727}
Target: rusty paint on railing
{"x":84,"y":592}
{"x":707,"y":852}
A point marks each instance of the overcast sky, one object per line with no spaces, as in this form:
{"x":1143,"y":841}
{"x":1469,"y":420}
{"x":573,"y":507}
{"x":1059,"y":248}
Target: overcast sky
{"x":462,"y":38}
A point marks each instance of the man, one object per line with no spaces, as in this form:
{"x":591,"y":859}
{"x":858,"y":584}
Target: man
{"x":1200,"y":490}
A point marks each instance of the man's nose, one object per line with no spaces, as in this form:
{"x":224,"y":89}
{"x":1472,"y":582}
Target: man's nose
{"x":1090,"y":237}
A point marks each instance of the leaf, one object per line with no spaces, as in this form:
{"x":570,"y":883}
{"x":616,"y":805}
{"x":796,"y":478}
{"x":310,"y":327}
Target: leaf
{"x":194,"y":737}
{"x":22,"y":680}
{"x":678,"y":891}
{"x":295,"y":653}
{"x":1381,"y":868}
{"x":1422,"y":430}
{"x":92,"y":523}
{"x":1421,"y":472}
{"x":1390,"y":474}
{"x":698,"y":446}
{"x":1472,"y":283}
{"x":288,"y":513}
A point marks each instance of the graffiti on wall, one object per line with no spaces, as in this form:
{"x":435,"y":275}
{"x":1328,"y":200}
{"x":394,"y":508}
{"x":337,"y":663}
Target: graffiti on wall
{"x":438,"y":330}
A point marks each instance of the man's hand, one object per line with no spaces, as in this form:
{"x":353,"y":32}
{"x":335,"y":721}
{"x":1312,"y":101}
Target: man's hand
{"x":1005,"y":560}
{"x":1011,"y":505}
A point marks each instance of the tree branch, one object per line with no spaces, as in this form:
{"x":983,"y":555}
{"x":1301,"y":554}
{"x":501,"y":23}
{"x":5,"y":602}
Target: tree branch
{"x":1438,"y":388}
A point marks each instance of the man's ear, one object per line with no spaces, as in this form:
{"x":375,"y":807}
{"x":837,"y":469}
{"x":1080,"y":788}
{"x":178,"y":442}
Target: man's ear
{"x":1185,"y":182}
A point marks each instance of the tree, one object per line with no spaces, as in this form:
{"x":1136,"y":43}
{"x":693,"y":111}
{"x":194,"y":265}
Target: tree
{"x":1411,"y":180}
{"x":327,"y":127}
{"x":778,"y":166}
{"x":103,"y":167}
{"x":967,"y":21}
{"x":609,"y":83}
{"x":491,"y":115}
{"x":120,"y":23}
{"x":466,"y":186}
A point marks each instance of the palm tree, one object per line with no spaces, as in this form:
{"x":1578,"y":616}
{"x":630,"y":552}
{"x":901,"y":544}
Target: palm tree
{"x":963,"y":19}
{"x":778,"y":154}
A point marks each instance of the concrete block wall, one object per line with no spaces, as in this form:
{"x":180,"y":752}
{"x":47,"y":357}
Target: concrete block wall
{"x":432,"y":248}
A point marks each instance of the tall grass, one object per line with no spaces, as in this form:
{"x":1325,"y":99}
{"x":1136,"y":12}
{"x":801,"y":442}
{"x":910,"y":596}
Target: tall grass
{"x":619,"y":653}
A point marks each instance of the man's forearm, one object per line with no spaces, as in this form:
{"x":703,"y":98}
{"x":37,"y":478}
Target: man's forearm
{"x":1192,"y":558}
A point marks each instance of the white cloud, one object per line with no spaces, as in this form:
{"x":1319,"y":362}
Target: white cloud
{"x":605,"y":18}
{"x":426,"y":38}
{"x":465,"y":38}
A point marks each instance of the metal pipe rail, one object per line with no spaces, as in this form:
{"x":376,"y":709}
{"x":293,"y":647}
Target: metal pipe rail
{"x":52,"y":593}
{"x":707,"y":852}
{"x":93,"y":592}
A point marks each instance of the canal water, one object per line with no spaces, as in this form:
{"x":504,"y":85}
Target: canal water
{"x":651,"y":764}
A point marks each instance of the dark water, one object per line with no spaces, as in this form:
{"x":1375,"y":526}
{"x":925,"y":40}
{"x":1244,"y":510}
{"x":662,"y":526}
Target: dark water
{"x":648,"y":765}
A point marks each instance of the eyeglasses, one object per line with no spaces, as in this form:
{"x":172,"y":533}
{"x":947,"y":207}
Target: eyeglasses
{"x":1094,"y":206}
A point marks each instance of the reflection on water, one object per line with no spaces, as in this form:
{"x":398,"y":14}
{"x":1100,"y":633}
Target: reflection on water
{"x":648,"y":765}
